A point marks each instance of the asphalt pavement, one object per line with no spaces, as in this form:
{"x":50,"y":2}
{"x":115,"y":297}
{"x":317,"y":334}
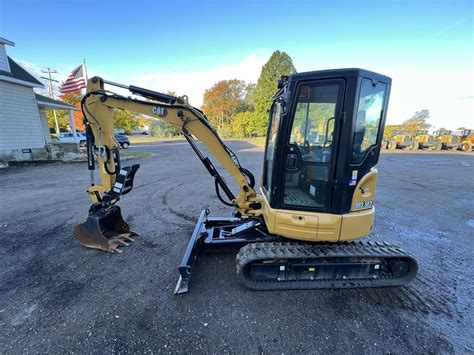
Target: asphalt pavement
{"x":58,"y":297}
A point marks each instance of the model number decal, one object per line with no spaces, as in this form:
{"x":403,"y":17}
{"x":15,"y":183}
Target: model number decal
{"x":364,"y":204}
{"x":160,"y":111}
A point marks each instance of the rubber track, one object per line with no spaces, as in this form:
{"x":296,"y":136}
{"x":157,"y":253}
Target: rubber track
{"x":296,"y":250}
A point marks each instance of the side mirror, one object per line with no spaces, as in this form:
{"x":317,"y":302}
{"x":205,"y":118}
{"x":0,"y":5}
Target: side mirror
{"x":282,"y":81}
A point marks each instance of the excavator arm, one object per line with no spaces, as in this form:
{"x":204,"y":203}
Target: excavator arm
{"x":105,"y":228}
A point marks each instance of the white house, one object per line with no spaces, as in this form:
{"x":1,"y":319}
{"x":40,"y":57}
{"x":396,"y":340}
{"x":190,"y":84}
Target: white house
{"x":24,"y":131}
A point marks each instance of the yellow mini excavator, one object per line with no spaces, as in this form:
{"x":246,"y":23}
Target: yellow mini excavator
{"x":317,"y":189}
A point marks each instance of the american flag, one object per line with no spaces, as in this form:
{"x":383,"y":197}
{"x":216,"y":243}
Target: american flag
{"x":75,"y":81}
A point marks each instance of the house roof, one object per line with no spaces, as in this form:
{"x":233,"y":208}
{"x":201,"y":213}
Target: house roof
{"x":6,"y":41}
{"x":47,"y":102}
{"x":19,"y":75}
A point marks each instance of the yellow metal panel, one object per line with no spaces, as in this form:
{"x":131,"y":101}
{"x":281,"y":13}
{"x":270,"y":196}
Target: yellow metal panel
{"x":302,"y":225}
{"x":364,"y":193}
{"x":356,"y":225}
{"x":329,"y":228}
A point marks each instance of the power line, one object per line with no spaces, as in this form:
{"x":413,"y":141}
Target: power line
{"x":51,"y":94}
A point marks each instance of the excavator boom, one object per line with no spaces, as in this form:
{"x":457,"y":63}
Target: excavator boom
{"x":105,"y":228}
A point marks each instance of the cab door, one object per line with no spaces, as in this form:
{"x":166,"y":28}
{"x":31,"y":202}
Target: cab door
{"x":311,"y":145}
{"x":367,"y":133}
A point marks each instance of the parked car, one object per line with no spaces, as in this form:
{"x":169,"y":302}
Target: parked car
{"x":69,"y":138}
{"x":122,"y":140}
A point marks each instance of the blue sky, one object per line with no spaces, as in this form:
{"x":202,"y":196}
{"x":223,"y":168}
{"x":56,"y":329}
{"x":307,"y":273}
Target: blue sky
{"x":425,"y":46}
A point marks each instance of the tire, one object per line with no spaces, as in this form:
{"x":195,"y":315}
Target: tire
{"x":391,"y":145}
{"x":453,"y":149}
{"x":437,"y":146}
{"x":466,"y":147}
{"x":415,"y":146}
{"x":125,"y":145}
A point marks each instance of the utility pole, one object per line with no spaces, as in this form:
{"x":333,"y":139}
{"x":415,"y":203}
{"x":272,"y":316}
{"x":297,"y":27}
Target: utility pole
{"x":51,"y":94}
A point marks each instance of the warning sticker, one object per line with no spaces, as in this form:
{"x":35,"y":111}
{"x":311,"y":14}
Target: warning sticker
{"x":353,"y":181}
{"x":354,"y":174}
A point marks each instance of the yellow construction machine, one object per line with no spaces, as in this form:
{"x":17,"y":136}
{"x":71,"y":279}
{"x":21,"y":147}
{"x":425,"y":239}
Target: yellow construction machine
{"x":316,"y":194}
{"x":466,"y":141}
{"x":400,"y":140}
{"x":423,"y":140}
{"x":449,"y":140}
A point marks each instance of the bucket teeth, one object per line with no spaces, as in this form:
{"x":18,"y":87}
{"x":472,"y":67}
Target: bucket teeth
{"x":105,"y":231}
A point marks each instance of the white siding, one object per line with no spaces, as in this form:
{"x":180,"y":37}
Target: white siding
{"x":44,"y":124}
{"x":20,"y":125}
{"x":3,"y":59}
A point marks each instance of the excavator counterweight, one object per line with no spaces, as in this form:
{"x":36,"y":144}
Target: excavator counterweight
{"x":317,"y":191}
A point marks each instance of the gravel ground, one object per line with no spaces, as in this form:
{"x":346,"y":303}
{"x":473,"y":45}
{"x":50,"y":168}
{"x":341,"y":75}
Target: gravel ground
{"x":57,"y":297}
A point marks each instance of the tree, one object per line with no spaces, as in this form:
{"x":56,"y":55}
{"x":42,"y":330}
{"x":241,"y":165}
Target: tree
{"x":126,"y":120}
{"x":159,"y":128}
{"x":74,"y":99}
{"x":62,"y":117}
{"x":279,"y":64}
{"x":224,"y":100}
{"x":243,"y":125}
{"x":248,"y":99}
{"x":390,"y":130}
{"x":417,"y":122}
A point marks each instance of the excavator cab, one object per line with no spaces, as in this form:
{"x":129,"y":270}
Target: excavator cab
{"x":324,"y":135}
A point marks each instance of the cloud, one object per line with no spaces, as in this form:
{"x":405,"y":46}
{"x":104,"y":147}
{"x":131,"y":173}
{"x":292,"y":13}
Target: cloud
{"x":194,"y":83}
{"x":445,"y":93}
{"x":36,"y":71}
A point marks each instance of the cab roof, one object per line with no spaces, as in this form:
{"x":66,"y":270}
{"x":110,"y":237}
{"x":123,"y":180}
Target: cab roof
{"x":345,"y":72}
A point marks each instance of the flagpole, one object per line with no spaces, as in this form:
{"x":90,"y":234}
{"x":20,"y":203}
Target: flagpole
{"x":85,"y":69}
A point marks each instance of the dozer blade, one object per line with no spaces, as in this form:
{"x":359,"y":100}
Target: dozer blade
{"x":104,"y":230}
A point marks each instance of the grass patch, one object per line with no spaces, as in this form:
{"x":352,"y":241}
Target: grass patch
{"x":258,"y":141}
{"x":150,"y":139}
{"x":135,"y":154}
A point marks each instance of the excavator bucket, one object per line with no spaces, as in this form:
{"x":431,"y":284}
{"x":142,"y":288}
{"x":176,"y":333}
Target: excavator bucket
{"x":105,"y":228}
{"x":105,"y":231}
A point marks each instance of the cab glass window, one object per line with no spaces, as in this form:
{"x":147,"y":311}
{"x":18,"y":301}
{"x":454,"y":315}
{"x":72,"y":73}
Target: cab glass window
{"x":369,"y":115}
{"x":313,"y":123}
{"x":312,"y":136}
{"x":271,"y":142}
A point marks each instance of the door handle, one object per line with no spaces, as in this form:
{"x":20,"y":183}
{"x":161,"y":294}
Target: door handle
{"x":291,"y":161}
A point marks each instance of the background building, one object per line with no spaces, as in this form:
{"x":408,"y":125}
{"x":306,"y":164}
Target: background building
{"x":24,"y":131}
